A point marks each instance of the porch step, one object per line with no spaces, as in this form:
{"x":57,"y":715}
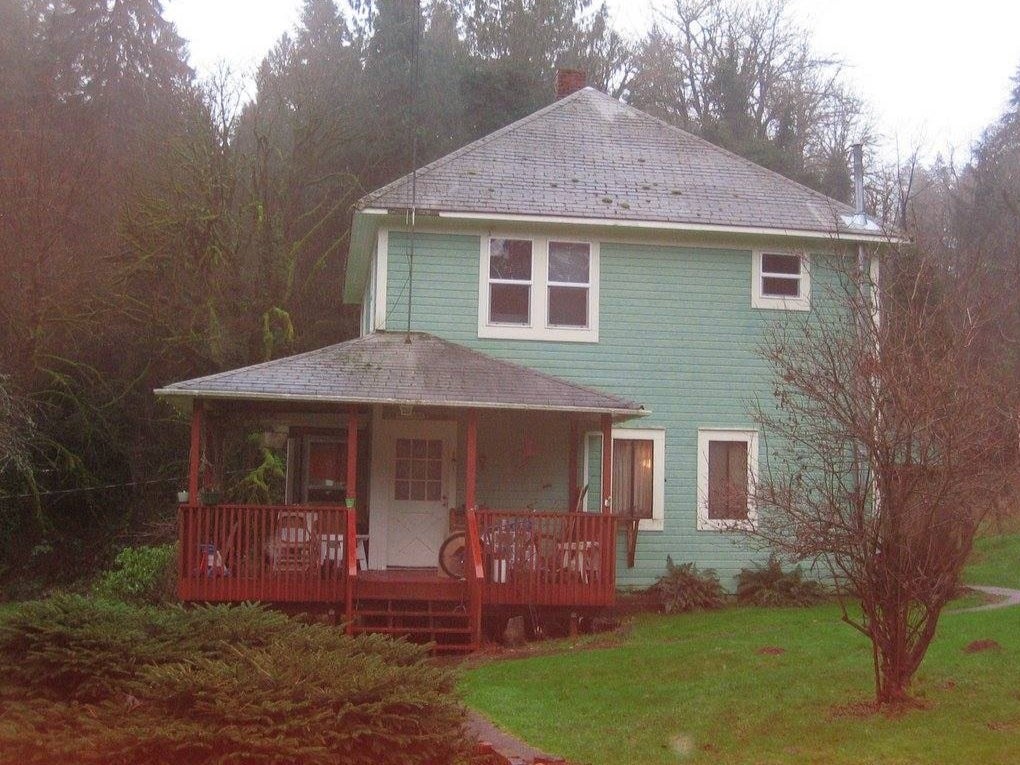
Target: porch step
{"x":444,"y":623}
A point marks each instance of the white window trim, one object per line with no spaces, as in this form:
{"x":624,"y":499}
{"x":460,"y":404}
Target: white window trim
{"x":750,"y":437}
{"x":658,"y":438}
{"x":381,"y":266}
{"x":760,"y":300}
{"x":539,"y":327}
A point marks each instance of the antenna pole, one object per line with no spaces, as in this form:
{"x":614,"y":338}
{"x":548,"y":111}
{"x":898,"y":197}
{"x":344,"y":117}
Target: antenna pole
{"x":415,"y":81}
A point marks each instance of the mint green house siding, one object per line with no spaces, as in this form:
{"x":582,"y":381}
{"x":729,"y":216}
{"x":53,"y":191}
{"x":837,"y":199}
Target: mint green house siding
{"x":677,"y":333}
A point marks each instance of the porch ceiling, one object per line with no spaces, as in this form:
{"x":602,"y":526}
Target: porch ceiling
{"x":384,"y":368}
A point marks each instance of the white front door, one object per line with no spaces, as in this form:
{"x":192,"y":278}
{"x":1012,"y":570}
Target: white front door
{"x":417,"y":482}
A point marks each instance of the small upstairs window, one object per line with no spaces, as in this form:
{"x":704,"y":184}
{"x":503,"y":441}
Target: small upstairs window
{"x":781,"y":280}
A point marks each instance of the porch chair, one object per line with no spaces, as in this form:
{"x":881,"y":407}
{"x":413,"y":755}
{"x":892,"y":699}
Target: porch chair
{"x":293,"y":545}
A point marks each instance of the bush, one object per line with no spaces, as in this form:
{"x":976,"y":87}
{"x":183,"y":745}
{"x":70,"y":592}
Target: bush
{"x":769,"y":585}
{"x":683,"y":588}
{"x":112,"y":683}
{"x":142,"y":576}
{"x":69,"y":647}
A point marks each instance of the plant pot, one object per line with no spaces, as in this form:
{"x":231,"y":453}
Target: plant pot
{"x":211,"y":496}
{"x":182,"y":497}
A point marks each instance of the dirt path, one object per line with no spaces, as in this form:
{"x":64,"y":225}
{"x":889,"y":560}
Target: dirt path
{"x":512,"y":748}
{"x":1007,"y":598}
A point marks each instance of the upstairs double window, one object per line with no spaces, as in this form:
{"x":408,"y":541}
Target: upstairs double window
{"x":538,"y":289}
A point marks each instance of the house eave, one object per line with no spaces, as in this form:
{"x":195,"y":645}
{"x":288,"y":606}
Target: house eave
{"x":302,"y":398}
{"x":841,"y":235}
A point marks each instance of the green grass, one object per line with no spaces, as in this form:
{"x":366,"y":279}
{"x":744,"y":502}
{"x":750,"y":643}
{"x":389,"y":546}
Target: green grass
{"x":694,"y":688}
{"x":995,"y":561}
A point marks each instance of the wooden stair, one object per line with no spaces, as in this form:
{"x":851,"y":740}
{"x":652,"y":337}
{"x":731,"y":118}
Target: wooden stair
{"x":423,"y":610}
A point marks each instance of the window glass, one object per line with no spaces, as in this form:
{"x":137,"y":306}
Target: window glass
{"x":780,"y":275}
{"x":568,"y":262}
{"x":568,"y":306}
{"x":418,"y":469}
{"x":727,"y":480}
{"x":777,"y":287}
{"x":771,"y":263}
{"x":633,"y":471}
{"x":510,"y":303}
{"x":510,"y":281}
{"x":510,"y":259}
{"x":568,"y":265}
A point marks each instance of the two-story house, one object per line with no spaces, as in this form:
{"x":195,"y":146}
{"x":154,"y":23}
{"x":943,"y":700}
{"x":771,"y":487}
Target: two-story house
{"x":558,"y":354}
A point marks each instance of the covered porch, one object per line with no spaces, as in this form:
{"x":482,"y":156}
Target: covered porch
{"x":397,"y":443}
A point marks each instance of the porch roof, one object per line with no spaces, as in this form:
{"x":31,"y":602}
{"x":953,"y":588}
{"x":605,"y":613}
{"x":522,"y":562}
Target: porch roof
{"x":384,"y":368}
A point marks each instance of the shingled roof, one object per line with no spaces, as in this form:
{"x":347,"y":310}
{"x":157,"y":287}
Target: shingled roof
{"x":384,"y":368}
{"x":590,"y":156}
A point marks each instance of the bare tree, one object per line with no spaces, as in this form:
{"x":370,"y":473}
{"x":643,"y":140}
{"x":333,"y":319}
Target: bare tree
{"x":889,"y":441}
{"x":747,"y":78}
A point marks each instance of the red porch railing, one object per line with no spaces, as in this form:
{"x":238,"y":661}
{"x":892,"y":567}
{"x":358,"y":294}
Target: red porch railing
{"x":271,"y":553}
{"x":547,"y":558}
{"x":474,"y":573}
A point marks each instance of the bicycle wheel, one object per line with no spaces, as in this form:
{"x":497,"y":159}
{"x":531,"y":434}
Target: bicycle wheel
{"x":452,"y":554}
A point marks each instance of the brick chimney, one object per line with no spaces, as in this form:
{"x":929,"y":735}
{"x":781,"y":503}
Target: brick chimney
{"x":569,"y":81}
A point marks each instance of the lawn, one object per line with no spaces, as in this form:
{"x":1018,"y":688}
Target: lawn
{"x":694,"y":688}
{"x":995,"y":561}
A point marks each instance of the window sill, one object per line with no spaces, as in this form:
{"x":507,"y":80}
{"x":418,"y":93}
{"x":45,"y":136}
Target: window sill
{"x":781,"y":304}
{"x":547,"y":334}
{"x":705,"y":524}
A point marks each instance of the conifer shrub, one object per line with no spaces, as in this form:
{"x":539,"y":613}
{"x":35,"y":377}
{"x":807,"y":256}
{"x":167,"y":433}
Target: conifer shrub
{"x":144,"y":575}
{"x":769,"y":585}
{"x":71,"y":647}
{"x":94,"y":681}
{"x":684,"y":588}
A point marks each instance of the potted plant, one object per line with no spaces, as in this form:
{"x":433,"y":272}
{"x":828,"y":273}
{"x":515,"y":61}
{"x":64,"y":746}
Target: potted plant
{"x":211,"y":496}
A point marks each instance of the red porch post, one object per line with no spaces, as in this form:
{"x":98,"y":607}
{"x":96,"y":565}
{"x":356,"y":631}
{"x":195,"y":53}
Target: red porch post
{"x":352,"y":455}
{"x":572,"y":467}
{"x":471,"y":464}
{"x":607,"y":463}
{"x":195,"y":455}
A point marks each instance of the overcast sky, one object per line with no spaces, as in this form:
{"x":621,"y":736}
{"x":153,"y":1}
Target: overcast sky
{"x":934,"y":73}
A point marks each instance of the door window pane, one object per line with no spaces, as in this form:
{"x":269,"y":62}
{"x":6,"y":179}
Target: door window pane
{"x":418,"y":469}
